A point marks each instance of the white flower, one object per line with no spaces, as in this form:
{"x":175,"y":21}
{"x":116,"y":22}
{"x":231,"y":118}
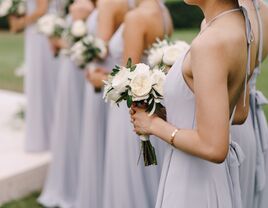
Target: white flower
{"x":21,"y":8}
{"x":77,"y":53}
{"x":141,"y":85}
{"x":121,"y":80}
{"x":158,"y":77}
{"x":110,"y":95}
{"x":79,"y":29}
{"x":171,"y":54}
{"x":100,"y":44}
{"x":46,"y":24}
{"x":182,"y":45}
{"x":155,"y":57}
{"x":140,"y":69}
{"x":5,"y":6}
{"x":60,"y":22}
{"x":88,"y":39}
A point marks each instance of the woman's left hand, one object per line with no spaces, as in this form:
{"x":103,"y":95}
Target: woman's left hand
{"x":96,"y":77}
{"x":17,"y":24}
{"x":141,"y":120}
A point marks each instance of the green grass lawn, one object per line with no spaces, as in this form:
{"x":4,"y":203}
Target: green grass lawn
{"x":11,"y":56}
{"x":27,"y":202}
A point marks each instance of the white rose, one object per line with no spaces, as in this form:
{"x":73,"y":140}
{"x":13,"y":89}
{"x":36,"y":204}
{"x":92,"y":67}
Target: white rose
{"x":88,"y":39}
{"x":171,"y":54}
{"x":182,"y":45}
{"x":158,"y":78}
{"x":46,"y":24}
{"x":77,"y":53}
{"x":100,"y":44}
{"x":112,"y":95}
{"x":79,"y":29}
{"x":60,"y":22}
{"x":121,"y":80}
{"x":155,"y":57}
{"x":21,"y":8}
{"x":140,"y":69}
{"x":5,"y":6}
{"x":141,"y":85}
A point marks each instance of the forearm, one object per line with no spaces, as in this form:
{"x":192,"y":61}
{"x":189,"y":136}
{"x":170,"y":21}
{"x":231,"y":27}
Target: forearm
{"x":186,"y":140}
{"x":41,"y":9}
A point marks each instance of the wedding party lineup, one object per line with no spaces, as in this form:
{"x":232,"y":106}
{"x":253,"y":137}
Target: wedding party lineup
{"x":133,"y":104}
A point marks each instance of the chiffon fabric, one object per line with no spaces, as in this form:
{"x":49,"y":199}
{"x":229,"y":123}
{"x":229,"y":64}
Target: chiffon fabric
{"x":126,"y":183}
{"x":60,"y":188}
{"x":186,"y":180}
{"x":40,"y":86}
{"x":257,"y":100}
{"x":91,"y":163}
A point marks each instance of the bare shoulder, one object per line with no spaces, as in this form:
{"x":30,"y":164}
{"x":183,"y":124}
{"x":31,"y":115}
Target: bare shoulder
{"x":111,"y":4}
{"x":225,"y":42}
{"x":135,"y":18}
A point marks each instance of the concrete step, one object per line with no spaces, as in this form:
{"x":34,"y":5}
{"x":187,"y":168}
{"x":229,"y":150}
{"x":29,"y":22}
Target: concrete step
{"x":20,"y":173}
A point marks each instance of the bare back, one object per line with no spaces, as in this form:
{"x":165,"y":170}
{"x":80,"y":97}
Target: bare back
{"x":150,"y":20}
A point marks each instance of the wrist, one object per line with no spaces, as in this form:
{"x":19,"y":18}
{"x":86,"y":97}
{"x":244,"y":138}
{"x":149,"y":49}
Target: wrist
{"x":154,"y":125}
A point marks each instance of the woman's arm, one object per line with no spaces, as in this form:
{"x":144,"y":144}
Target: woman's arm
{"x":134,"y":32}
{"x":19,"y":23}
{"x":210,"y":139}
{"x":107,"y":19}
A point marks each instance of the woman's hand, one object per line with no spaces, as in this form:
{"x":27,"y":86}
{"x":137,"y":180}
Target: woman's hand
{"x":96,"y":77}
{"x":17,"y":24}
{"x":57,"y":44}
{"x":141,"y":120}
{"x":81,"y":9}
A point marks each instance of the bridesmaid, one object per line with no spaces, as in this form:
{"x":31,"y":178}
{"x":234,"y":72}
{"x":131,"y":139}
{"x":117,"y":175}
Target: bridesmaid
{"x":201,"y":165}
{"x":252,"y":134}
{"x":125,"y":183}
{"x":61,"y":184}
{"x":41,"y":79}
{"x":103,"y":22}
{"x":257,"y":99}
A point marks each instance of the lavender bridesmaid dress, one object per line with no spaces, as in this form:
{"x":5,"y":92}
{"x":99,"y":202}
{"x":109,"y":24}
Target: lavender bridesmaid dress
{"x":40,"y":86}
{"x":186,"y":180}
{"x":253,"y":138}
{"x":60,"y":188}
{"x":257,"y":100}
{"x":127,"y":184}
{"x":91,"y":164}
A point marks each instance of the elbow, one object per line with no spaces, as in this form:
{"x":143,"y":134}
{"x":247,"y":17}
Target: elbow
{"x":217,"y":155}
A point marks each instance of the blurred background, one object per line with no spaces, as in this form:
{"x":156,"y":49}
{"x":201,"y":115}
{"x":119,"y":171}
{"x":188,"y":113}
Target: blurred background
{"x":186,"y":22}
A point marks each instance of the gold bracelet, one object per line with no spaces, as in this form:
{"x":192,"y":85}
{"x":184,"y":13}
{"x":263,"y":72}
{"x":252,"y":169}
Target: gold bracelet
{"x":173,"y":136}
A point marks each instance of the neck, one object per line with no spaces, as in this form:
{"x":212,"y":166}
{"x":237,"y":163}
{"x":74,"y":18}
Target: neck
{"x":213,"y":8}
{"x":145,"y":1}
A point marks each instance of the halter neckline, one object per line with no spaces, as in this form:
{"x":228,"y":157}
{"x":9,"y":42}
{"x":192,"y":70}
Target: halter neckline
{"x":219,"y":16}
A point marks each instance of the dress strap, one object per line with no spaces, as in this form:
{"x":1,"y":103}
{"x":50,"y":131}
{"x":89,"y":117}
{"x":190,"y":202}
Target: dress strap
{"x":249,"y":36}
{"x":217,"y":17}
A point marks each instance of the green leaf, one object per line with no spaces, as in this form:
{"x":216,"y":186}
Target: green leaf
{"x":129,"y":101}
{"x":129,"y":63}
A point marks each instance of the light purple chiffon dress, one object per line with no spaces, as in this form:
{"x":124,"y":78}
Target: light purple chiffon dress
{"x":40,"y":86}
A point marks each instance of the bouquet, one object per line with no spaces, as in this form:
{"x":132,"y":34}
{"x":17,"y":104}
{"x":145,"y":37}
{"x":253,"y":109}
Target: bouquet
{"x":138,"y":84}
{"x":12,"y":7}
{"x":164,"y":53}
{"x":86,"y":50}
{"x":75,"y":32}
{"x":51,"y":25}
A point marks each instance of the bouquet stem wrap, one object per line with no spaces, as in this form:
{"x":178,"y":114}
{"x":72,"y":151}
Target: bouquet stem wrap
{"x":148,"y":151}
